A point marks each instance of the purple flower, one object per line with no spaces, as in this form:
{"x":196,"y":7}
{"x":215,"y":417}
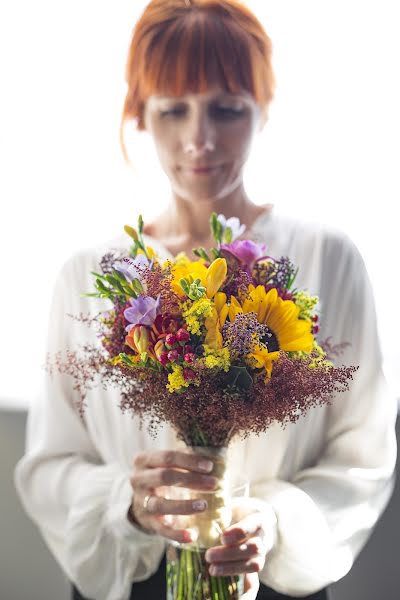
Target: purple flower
{"x":143,"y":310}
{"x":246,"y":251}
{"x":131,"y":268}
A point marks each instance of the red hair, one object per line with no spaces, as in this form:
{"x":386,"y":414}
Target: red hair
{"x":181,"y":46}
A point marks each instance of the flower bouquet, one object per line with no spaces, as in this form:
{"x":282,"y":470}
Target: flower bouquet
{"x":218,"y":347}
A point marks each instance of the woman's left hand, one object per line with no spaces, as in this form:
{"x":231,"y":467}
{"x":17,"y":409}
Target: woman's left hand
{"x":245,"y":544}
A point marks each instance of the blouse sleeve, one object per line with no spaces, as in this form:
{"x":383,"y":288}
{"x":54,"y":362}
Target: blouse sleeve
{"x":79,"y":503}
{"x":327,"y":512}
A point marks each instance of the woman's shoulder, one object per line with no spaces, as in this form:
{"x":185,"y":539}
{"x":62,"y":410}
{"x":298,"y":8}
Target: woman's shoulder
{"x":94,"y":257}
{"x":309,"y":235}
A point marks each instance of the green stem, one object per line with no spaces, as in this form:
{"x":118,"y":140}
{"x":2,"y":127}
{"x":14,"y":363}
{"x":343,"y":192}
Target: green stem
{"x":181,"y":567}
{"x":214,"y":592}
{"x":189,"y":573}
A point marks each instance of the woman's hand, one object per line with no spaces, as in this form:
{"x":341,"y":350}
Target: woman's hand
{"x":152,"y":470}
{"x":245,"y":544}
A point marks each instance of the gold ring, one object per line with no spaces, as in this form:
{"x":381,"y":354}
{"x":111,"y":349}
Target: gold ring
{"x":146,"y":501}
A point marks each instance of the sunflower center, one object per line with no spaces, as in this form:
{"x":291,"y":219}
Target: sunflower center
{"x":270,"y":340}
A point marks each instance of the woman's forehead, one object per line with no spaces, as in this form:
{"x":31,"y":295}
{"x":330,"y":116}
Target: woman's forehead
{"x":212,"y":93}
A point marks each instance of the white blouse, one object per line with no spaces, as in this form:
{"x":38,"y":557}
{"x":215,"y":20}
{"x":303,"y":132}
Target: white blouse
{"x":328,"y":477}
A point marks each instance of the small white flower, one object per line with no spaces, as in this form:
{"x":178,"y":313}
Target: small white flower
{"x":233,"y":224}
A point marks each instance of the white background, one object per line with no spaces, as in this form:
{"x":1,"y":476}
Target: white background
{"x":329,"y":152}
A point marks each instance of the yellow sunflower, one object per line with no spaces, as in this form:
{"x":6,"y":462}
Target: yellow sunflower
{"x":289,"y":333}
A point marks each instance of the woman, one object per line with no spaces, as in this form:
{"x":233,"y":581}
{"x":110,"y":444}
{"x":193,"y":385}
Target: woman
{"x":200,"y":82}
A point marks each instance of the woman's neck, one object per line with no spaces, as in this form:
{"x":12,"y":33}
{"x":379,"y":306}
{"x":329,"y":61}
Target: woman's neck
{"x":188,"y":223}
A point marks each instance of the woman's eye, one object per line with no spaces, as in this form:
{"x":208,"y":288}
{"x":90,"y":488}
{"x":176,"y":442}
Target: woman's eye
{"x":225,"y":111}
{"x":172,"y":112}
{"x":220,"y":112}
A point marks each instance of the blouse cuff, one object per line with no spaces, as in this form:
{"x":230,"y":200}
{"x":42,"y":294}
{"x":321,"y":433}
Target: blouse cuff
{"x":119,"y":502}
{"x":303,"y":559}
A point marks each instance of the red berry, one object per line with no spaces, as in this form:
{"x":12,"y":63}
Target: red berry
{"x":315,"y":319}
{"x":182,"y":335}
{"x":315,"y":329}
{"x":187,"y":349}
{"x":163,"y":359}
{"x":189,"y":357}
{"x":189,"y":374}
{"x":171,"y":339}
{"x":173,"y":355}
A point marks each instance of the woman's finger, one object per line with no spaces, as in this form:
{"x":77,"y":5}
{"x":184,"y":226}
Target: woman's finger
{"x":241,"y":552}
{"x":173,"y":459}
{"x":178,"y":535}
{"x":166,"y":476}
{"x":253,"y":565}
{"x":251,"y":586}
{"x":241,"y":531}
{"x":157,"y":505}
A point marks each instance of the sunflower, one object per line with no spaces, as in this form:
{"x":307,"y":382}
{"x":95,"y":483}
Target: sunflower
{"x":289,"y":333}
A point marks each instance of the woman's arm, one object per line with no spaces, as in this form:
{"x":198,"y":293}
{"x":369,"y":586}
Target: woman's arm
{"x":327,"y":512}
{"x":79,"y":504}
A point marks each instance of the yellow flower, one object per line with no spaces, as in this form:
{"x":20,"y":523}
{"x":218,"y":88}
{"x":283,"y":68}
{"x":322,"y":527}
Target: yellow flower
{"x":184,"y":268}
{"x":216,"y":358}
{"x":213,"y":336}
{"x":290,"y":333}
{"x":131,"y":232}
{"x":216,"y":275}
{"x":150,"y":252}
{"x":221,"y":307}
{"x":176,"y":379}
{"x":261,"y":358}
{"x":195,"y":312}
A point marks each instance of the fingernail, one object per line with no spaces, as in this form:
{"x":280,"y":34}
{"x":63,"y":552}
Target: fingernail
{"x":205,"y":465}
{"x":199,"y":504}
{"x":229,"y":538}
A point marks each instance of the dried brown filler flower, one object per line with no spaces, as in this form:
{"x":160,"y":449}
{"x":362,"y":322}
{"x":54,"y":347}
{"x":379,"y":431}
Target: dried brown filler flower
{"x":212,"y":412}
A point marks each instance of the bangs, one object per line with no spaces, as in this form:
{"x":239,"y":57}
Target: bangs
{"x":195,"y":54}
{"x":178,"y":49}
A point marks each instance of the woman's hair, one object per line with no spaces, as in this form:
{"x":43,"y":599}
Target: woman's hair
{"x":182,"y":46}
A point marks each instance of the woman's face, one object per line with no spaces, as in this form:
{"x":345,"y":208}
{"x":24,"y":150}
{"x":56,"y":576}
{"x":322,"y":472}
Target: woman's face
{"x":203,"y":140}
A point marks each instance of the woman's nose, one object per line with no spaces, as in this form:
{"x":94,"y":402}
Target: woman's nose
{"x":200,"y":135}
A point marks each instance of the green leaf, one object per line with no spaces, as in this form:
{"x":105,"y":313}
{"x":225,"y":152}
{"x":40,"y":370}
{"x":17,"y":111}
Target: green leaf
{"x":119,"y":276}
{"x":96,"y":295}
{"x":228,"y":235}
{"x":215,"y":253}
{"x":101,"y":286}
{"x":140,"y":224}
{"x":137,"y":286}
{"x":184,"y":285}
{"x":240,"y":377}
{"x":98,"y":275}
{"x":203,"y":254}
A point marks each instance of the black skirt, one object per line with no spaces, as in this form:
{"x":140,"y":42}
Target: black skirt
{"x":154,"y":588}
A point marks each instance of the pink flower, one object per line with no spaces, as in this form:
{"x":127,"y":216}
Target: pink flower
{"x":246,"y":251}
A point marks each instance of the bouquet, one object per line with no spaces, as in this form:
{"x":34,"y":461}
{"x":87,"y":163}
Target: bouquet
{"x":218,"y":347}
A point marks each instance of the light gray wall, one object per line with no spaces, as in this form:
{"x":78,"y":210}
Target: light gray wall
{"x":29,"y":572}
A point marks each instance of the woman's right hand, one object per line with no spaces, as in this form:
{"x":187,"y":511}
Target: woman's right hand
{"x":156,"y":469}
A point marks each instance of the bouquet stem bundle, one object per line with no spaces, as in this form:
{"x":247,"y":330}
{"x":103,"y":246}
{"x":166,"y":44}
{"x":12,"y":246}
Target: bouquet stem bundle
{"x":188,"y":577}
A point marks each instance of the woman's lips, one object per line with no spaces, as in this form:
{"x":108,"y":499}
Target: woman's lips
{"x":202,"y":170}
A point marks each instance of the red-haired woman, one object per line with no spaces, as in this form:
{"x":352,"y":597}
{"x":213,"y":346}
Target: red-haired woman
{"x":200,"y":82}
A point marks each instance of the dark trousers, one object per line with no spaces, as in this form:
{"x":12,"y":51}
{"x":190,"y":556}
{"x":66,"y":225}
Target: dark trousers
{"x":154,"y":588}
